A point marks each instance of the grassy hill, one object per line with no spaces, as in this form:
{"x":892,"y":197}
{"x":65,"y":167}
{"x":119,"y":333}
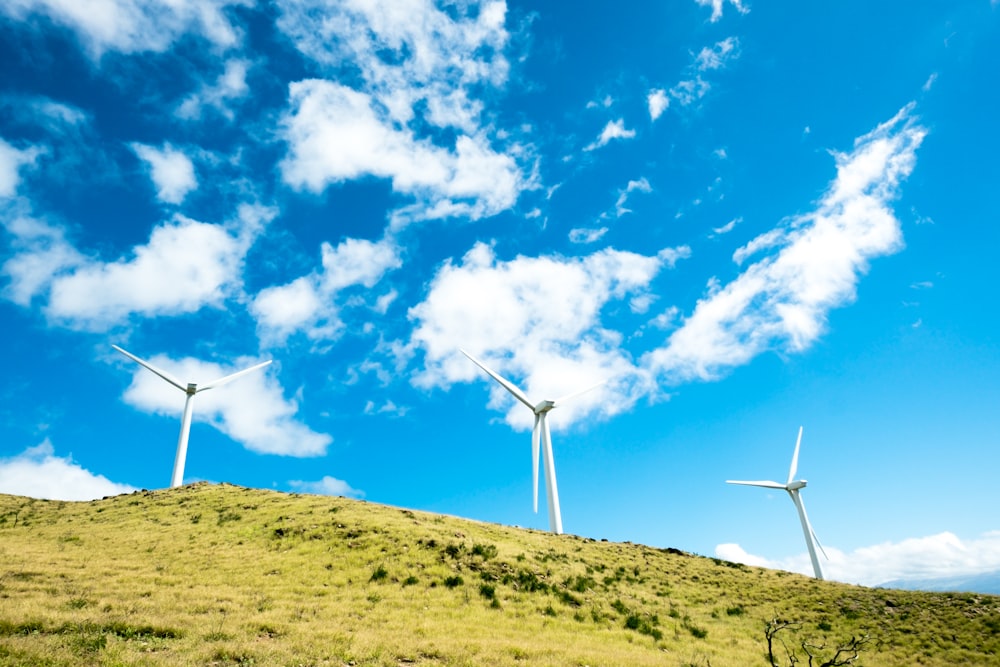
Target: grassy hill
{"x":223,"y":575}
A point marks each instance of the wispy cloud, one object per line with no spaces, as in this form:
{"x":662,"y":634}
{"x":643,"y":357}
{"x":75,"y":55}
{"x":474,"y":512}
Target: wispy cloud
{"x":717,"y":56}
{"x":781,"y":301}
{"x":615,"y":129}
{"x":38,"y":473}
{"x":717,"y":5}
{"x":587,"y":235}
{"x":726,"y":228}
{"x":230,"y":86}
{"x":692,"y":89}
{"x":640,"y":185}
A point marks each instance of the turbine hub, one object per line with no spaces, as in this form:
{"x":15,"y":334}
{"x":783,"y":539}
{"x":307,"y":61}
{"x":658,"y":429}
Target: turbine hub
{"x":798,"y":484}
{"x":191,"y":389}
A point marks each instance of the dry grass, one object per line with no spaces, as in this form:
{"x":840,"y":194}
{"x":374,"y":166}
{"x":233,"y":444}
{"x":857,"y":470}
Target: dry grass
{"x":221,"y":575}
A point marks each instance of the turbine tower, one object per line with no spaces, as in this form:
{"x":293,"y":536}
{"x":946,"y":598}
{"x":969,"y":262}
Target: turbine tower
{"x":540,"y":432}
{"x":793,"y":486}
{"x":190,"y":389}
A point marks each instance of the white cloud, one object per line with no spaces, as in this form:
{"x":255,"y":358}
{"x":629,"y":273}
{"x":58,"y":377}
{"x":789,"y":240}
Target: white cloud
{"x":171,"y":171}
{"x":782,"y":300}
{"x":584,"y":235}
{"x":388,"y":408}
{"x":695,"y":87}
{"x":933,"y":557}
{"x":418,"y":66}
{"x":185,"y":266}
{"x":41,"y":255}
{"x":252,"y":410}
{"x":38,"y":473}
{"x":133,"y":26}
{"x":689,"y":91}
{"x":231,"y":85}
{"x":642,"y":185}
{"x":726,"y":228}
{"x":335,"y":134}
{"x":658,"y":102}
{"x":328,"y":486}
{"x":718,"y":56}
{"x":613,"y":130}
{"x":11,"y":161}
{"x":717,"y":5}
{"x":309,"y":303}
{"x":538,"y":319}
{"x":410,"y":54}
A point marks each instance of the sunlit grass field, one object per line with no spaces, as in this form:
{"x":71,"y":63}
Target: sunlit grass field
{"x":223,"y":575}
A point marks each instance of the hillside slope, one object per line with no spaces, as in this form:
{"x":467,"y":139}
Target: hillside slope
{"x":223,"y":575}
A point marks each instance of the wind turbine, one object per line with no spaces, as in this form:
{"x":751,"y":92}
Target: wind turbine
{"x":793,"y":486}
{"x":190,"y":390}
{"x":540,"y":432}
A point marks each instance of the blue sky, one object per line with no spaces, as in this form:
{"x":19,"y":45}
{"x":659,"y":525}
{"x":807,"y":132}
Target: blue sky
{"x":744,"y":217}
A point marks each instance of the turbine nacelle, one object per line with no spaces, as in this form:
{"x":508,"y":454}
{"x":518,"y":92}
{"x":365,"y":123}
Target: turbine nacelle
{"x":796,"y":485}
{"x":544,"y":406}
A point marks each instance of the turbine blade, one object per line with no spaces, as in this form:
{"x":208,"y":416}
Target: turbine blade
{"x":506,"y":384}
{"x":795,"y":458}
{"x":229,"y":378}
{"x":818,"y":543}
{"x":535,"y":436}
{"x":768,"y":485}
{"x":150,"y":367}
{"x":560,"y":401}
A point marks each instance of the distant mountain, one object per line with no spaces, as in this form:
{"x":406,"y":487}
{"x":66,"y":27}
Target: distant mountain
{"x":987,"y":582}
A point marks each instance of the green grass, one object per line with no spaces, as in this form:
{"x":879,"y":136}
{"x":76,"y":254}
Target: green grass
{"x":213,"y":575}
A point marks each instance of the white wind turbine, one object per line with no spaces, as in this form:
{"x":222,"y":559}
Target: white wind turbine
{"x":793,"y":486}
{"x":190,"y":389}
{"x":540,"y":432}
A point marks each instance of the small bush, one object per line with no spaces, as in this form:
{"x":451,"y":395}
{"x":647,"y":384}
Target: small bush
{"x":487,"y":591}
{"x":568,"y":598}
{"x":735,"y":611}
{"x":453,"y":582}
{"x":379,"y":574}
{"x":485,"y":551}
{"x":410,"y":581}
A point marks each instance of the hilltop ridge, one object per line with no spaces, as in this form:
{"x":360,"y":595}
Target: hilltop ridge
{"x":223,"y":575}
